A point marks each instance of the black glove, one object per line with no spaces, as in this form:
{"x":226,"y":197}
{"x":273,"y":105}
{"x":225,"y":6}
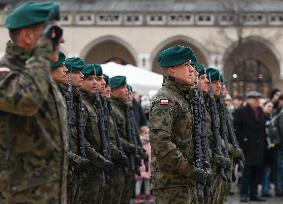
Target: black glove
{"x":132,"y":148}
{"x":54,"y":33}
{"x":209,"y":177}
{"x":108,"y":167}
{"x":84,"y":163}
{"x":124,"y":160}
{"x":199,"y":176}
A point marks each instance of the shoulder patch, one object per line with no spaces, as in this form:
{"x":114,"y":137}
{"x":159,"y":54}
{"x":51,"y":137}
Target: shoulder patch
{"x":5,"y":70}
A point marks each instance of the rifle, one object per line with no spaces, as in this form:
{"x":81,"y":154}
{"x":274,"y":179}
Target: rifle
{"x":134,"y":158}
{"x":204,"y":146}
{"x":138,"y":139}
{"x":103,"y":131}
{"x":215,"y":128}
{"x":117,"y":137}
{"x":102,"y":128}
{"x":224,"y":133}
{"x":198,"y":153}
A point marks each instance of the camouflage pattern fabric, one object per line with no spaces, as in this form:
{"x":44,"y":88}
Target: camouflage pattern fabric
{"x":176,"y":195}
{"x":33,"y":165}
{"x":119,"y":108}
{"x":113,"y":193}
{"x":93,"y":184}
{"x":73,"y":184}
{"x":171,"y":141}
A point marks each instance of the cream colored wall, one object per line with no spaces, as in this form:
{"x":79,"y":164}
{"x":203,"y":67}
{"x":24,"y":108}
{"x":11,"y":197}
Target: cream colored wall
{"x":142,"y":41}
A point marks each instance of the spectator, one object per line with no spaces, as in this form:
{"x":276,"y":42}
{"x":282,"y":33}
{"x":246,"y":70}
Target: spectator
{"x":144,"y":178}
{"x":238,"y":102}
{"x":265,"y":191}
{"x":274,"y":95}
{"x":250,"y":130}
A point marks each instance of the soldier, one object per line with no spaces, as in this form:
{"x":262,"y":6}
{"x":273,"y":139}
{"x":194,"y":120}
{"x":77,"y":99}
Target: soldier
{"x":174,"y":175}
{"x":92,"y":184}
{"x":113,"y":192}
{"x":33,"y":161}
{"x":72,"y":96}
{"x":119,"y":95}
{"x":59,"y":71}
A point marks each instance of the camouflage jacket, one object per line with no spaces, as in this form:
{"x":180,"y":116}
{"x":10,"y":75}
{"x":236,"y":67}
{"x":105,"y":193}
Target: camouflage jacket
{"x":119,"y":108}
{"x":171,"y":139}
{"x":112,"y":131}
{"x":33,"y":121}
{"x":91,"y":132}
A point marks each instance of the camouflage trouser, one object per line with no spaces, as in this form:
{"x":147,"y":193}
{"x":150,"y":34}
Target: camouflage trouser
{"x":129,"y":184}
{"x":176,"y":195}
{"x":92,"y":188}
{"x":73,"y":188}
{"x":42,"y":194}
{"x":113,"y":193}
{"x":218,"y":190}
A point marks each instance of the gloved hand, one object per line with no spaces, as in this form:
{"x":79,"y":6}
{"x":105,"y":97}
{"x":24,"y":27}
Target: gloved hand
{"x":209,"y":177}
{"x":124,"y":160}
{"x":54,"y":33}
{"x":108,"y":167}
{"x":131,"y":148}
{"x":84,"y":163}
{"x":199,"y":176}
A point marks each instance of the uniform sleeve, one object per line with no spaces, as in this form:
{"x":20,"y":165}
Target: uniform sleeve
{"x":163,"y":148}
{"x":23,"y":92}
{"x":95,"y":157}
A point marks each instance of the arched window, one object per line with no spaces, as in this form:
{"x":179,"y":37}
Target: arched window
{"x":250,"y":75}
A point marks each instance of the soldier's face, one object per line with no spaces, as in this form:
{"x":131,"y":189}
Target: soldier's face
{"x":216,"y":86}
{"x":203,"y":83}
{"x":60,"y":74}
{"x":184,"y":73}
{"x":121,"y":92}
{"x":106,"y":91}
{"x":101,"y":83}
{"x":89,"y":84}
{"x":76,"y":78}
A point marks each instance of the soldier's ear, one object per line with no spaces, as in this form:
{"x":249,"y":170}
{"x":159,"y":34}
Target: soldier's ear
{"x":171,"y":70}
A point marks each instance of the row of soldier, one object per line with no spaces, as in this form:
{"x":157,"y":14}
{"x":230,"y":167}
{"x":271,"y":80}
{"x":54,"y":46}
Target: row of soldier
{"x":104,"y":148}
{"x":63,"y":139}
{"x":194,"y":147}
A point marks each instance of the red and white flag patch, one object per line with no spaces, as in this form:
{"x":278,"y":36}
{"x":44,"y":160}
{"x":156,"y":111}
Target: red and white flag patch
{"x":5,"y":70}
{"x":164,"y":102}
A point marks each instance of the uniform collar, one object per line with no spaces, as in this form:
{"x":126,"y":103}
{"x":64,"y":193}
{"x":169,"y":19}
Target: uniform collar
{"x":118,"y":101}
{"x":182,"y":89}
{"x":16,"y":55}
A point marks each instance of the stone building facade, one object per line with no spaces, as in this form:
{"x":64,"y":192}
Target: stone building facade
{"x":243,"y":38}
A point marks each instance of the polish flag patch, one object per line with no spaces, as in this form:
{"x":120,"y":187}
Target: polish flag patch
{"x":163,"y":102}
{"x":5,"y":70}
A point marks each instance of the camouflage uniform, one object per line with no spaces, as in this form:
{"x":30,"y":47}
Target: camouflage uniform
{"x":172,"y":144}
{"x":74,"y":162}
{"x":33,"y":128}
{"x":218,"y":182}
{"x":93,"y":183}
{"x":119,"y":107}
{"x":113,"y":192}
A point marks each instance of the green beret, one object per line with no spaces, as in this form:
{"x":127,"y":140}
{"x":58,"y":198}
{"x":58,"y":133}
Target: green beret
{"x":222,"y":80}
{"x":194,"y":60}
{"x":98,"y":69}
{"x":117,"y":81}
{"x":106,"y":78}
{"x":61,"y":59}
{"x":88,"y":70}
{"x":74,"y":64}
{"x":31,"y":13}
{"x":201,"y":69}
{"x":212,"y":74}
{"x":175,"y":56}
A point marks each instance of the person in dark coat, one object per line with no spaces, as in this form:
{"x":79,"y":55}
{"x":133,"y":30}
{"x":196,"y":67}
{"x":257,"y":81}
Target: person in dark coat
{"x":250,"y":130}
